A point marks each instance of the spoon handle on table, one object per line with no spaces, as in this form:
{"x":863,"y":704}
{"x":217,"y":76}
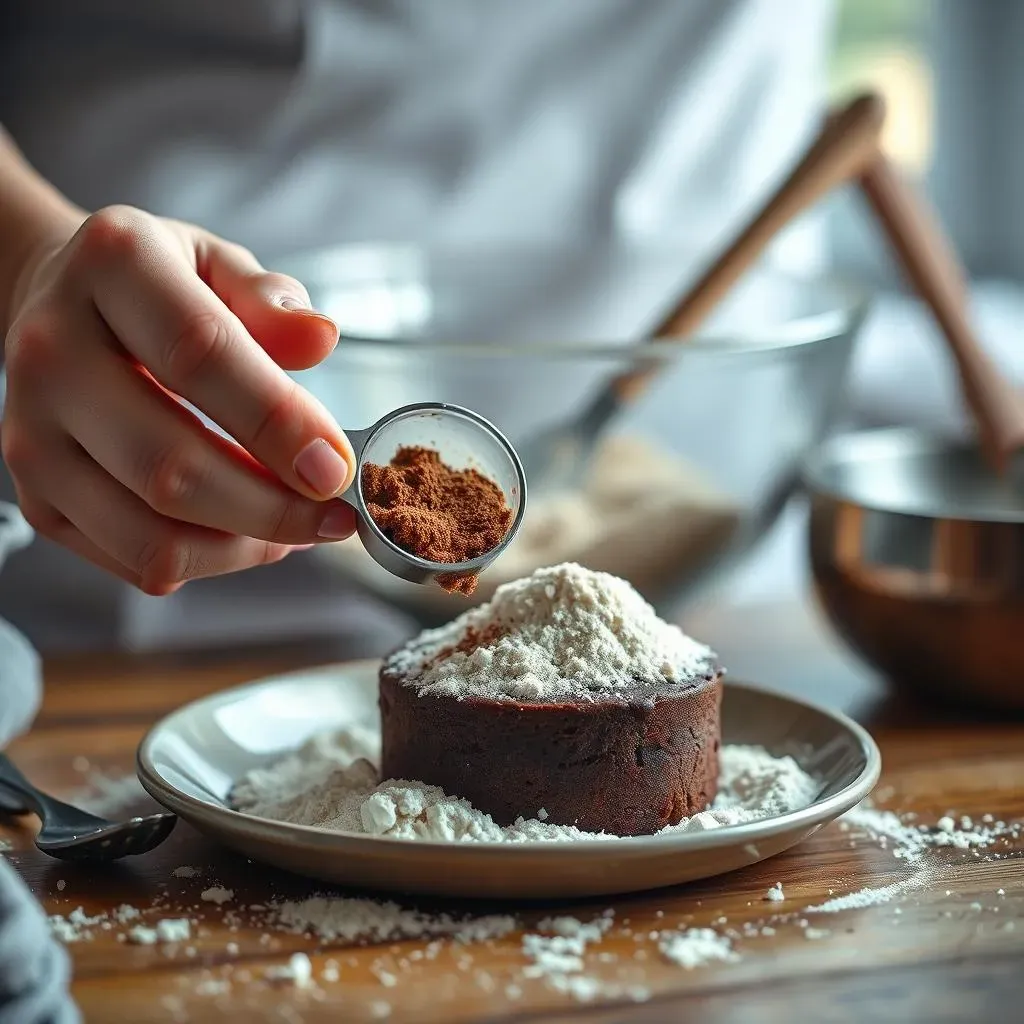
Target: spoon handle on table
{"x":845,"y":145}
{"x":929,"y":262}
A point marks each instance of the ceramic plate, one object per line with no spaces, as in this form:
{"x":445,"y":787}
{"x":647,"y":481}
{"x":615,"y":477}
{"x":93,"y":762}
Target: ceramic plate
{"x":190,"y":761}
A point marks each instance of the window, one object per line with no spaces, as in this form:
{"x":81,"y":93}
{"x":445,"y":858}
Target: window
{"x":885,"y":45}
{"x":952,"y":72}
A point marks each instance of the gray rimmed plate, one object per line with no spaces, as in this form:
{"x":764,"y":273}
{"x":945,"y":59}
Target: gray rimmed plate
{"x":190,"y":760}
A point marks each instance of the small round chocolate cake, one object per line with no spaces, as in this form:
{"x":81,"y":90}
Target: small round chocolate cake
{"x":566,"y":699}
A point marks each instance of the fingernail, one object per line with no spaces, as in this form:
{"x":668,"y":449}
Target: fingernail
{"x":338,"y":524}
{"x":296,"y":306}
{"x":321,"y":467}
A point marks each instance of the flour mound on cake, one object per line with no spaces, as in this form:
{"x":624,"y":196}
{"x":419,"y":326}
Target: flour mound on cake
{"x":564,"y":632}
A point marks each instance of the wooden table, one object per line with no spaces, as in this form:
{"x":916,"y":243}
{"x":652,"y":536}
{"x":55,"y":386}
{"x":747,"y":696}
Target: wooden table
{"x":951,"y":951}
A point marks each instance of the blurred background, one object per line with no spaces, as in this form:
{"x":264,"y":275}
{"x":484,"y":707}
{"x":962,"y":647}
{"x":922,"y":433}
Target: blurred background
{"x":492,"y":222}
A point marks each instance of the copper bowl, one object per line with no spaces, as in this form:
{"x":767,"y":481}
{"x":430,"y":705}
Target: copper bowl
{"x":917,"y":553}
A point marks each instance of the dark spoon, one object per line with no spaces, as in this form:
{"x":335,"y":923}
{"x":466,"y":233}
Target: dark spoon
{"x":72,"y":834}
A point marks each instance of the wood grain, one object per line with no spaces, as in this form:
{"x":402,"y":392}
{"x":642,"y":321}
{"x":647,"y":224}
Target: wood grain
{"x":948,"y":951}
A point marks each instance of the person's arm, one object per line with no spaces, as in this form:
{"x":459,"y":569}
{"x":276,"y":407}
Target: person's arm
{"x":33,"y":216}
{"x":108,"y":319}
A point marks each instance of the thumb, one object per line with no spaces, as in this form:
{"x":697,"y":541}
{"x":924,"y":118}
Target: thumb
{"x":274,"y":308}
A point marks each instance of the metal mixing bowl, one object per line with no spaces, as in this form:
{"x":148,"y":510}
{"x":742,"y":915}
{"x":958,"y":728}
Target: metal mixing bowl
{"x":917,"y":551}
{"x":527,"y":337}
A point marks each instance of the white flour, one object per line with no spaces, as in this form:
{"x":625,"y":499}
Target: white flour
{"x":330,"y":783}
{"x":564,"y":632}
{"x":217,"y":894}
{"x":556,"y":950}
{"x":335,"y":918}
{"x":696,"y":947}
{"x":909,"y":841}
{"x":106,"y":795}
{"x":867,"y":897}
{"x":568,"y":955}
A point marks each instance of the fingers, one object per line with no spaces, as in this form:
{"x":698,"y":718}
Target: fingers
{"x":163,"y":454}
{"x":275,"y":309}
{"x":168,"y":319}
{"x":106,"y":523}
{"x":49,"y":523}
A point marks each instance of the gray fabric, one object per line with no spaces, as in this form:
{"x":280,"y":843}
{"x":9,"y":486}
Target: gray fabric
{"x":34,"y":968}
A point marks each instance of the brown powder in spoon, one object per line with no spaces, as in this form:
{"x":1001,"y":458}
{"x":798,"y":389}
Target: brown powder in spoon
{"x":435,"y":512}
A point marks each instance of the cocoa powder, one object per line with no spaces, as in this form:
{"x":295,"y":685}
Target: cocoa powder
{"x":435,"y":512}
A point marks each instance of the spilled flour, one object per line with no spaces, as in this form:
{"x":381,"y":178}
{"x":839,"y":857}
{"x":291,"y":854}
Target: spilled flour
{"x":331,"y":782}
{"x":597,"y":956}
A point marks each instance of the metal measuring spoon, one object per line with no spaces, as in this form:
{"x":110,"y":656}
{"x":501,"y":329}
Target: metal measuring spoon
{"x":462,"y":438}
{"x":69,"y":833}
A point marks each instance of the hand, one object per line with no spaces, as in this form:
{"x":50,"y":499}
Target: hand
{"x":109,"y":332}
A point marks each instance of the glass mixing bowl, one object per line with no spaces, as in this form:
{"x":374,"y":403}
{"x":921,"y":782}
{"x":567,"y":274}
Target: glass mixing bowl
{"x":685,"y":480}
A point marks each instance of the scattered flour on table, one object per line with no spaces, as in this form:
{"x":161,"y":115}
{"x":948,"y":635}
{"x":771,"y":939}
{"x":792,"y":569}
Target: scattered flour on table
{"x":556,"y":949}
{"x":696,"y":947}
{"x":169,"y":930}
{"x":105,"y":795}
{"x":909,"y":840}
{"x":185,"y":871}
{"x":564,"y":632}
{"x":867,"y":897}
{"x":298,"y":970}
{"x":78,"y":926}
{"x":217,"y":894}
{"x":562,"y":952}
{"x":331,"y":783}
{"x":341,"y":919}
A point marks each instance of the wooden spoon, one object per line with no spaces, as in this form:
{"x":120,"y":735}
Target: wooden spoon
{"x":845,"y":146}
{"x":929,"y":262}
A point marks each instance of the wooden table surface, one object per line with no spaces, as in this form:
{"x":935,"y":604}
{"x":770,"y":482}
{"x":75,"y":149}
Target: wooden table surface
{"x":951,"y":950}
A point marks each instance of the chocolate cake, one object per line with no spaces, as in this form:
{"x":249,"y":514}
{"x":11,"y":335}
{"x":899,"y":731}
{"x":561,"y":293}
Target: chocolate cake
{"x":565,"y":698}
